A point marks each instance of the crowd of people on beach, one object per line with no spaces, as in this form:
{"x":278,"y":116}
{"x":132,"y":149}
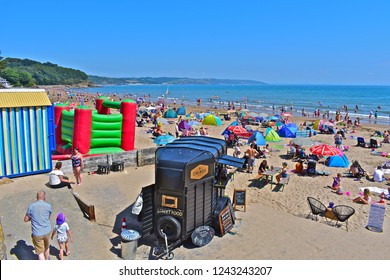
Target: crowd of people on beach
{"x":38,"y":213}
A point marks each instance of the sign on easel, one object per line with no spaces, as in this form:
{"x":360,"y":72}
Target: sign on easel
{"x":239,"y":199}
{"x":375,"y":219}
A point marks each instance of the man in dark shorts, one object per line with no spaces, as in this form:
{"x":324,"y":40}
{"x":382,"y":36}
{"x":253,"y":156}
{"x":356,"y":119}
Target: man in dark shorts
{"x":39,"y":214}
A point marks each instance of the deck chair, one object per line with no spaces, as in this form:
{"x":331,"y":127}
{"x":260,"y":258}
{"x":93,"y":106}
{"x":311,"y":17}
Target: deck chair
{"x":343,"y":213}
{"x":316,"y":207}
{"x":311,"y":168}
{"x":374,"y":144}
{"x":362,"y":143}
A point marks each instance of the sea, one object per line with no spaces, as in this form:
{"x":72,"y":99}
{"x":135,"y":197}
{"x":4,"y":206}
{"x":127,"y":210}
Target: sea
{"x":358,"y":100}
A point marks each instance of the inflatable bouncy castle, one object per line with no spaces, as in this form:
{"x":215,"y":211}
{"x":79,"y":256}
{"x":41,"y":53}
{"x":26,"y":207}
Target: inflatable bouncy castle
{"x":96,"y":131}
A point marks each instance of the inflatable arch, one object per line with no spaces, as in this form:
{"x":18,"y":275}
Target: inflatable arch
{"x":95,"y":131}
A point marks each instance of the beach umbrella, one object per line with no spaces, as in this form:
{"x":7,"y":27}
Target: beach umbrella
{"x":303,"y":142}
{"x":162,"y":121}
{"x":325,"y":150}
{"x":242,"y":114}
{"x":193,"y":123}
{"x":272,"y":118}
{"x":278,"y":116}
{"x":328,"y":123}
{"x":164,"y":139}
{"x":286,"y":114}
{"x":237,"y":129}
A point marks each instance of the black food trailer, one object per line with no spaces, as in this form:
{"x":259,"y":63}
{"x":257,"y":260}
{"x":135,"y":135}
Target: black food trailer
{"x":184,"y":196}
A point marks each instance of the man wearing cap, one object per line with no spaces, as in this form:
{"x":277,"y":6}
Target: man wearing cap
{"x":39,"y":214}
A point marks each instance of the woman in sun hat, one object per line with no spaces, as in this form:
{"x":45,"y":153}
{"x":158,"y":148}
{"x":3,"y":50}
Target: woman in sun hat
{"x":63,"y":234}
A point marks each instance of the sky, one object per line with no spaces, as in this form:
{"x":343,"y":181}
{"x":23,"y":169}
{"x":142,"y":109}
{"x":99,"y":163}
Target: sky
{"x":274,"y":41}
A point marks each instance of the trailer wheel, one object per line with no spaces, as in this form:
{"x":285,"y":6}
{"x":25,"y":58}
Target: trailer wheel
{"x":170,"y":226}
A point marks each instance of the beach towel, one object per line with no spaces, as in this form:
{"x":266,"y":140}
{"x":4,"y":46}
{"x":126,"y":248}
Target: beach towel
{"x":376,"y":190}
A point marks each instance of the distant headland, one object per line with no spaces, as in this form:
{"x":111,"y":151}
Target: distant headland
{"x":30,"y":73}
{"x":169,"y":81}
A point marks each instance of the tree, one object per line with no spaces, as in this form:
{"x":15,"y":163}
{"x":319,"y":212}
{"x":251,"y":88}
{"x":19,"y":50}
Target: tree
{"x":10,"y":75}
{"x":25,"y":78}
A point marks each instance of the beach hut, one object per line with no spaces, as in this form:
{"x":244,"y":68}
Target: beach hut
{"x":258,"y":136}
{"x":27,"y":129}
{"x":181,"y":111}
{"x":212,"y":120}
{"x":271,"y":135}
{"x":337,"y":161}
{"x":170,"y":114}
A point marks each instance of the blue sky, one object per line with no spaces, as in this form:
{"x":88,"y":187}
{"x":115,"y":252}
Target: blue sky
{"x":278,"y":42}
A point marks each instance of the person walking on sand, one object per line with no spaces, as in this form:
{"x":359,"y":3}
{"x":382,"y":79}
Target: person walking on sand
{"x":63,"y":235}
{"x":78,"y":164}
{"x":38,"y":213}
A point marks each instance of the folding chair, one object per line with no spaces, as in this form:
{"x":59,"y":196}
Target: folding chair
{"x":362,"y":143}
{"x":343,"y":213}
{"x":316,"y":207}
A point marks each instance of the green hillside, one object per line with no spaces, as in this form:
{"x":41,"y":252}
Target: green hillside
{"x":26,"y":72}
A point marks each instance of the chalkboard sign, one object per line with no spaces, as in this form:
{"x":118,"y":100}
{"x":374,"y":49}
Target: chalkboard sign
{"x":225,"y":220}
{"x":239,"y":198}
{"x":375,"y":219}
{"x":202,"y":235}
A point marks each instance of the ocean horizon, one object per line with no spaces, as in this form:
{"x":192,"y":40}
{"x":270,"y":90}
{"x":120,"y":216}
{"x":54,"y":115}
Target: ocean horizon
{"x":265,"y":97}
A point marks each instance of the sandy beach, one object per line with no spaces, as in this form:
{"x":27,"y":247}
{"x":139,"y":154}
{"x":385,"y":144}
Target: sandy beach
{"x":274,"y":226}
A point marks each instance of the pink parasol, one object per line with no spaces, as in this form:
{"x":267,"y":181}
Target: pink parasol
{"x":286,"y":114}
{"x":325,"y":150}
{"x":328,"y":123}
{"x":237,"y":129}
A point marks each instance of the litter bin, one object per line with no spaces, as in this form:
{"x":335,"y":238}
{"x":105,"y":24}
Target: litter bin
{"x":129,"y":243}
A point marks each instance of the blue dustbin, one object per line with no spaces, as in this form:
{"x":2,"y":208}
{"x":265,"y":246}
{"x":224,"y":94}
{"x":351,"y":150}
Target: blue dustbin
{"x":129,"y":244}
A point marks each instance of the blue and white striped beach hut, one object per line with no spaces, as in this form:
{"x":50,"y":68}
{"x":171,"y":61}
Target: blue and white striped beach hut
{"x":27,"y":132}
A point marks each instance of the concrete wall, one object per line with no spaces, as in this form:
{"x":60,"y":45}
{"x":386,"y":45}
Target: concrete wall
{"x":131,"y":158}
